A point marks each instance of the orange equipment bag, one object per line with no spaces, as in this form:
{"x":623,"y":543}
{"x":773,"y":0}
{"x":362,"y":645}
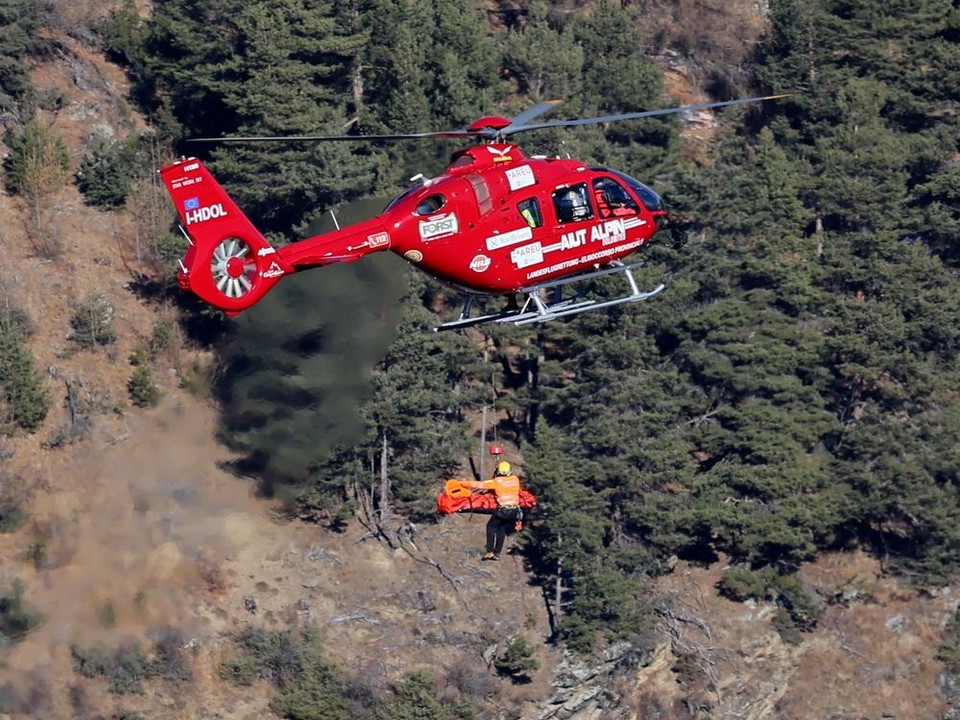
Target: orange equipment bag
{"x":458,"y":498}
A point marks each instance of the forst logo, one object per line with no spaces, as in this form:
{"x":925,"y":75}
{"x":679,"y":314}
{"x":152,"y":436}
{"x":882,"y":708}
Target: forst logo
{"x":439,"y":227}
{"x":205,"y":213}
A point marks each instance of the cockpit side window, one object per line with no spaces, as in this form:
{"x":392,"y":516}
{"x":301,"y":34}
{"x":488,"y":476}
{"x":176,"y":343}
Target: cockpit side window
{"x":612,"y":199}
{"x":431,"y":204}
{"x":530,"y":211}
{"x":572,"y":204}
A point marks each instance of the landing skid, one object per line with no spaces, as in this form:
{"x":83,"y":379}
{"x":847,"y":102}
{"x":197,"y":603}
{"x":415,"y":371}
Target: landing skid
{"x":537,"y":310}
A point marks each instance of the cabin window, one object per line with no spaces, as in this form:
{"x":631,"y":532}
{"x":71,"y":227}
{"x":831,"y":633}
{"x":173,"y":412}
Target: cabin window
{"x":612,"y":199}
{"x":572,"y":204}
{"x":482,"y":192}
{"x":462,"y":161}
{"x":431,"y":204}
{"x":530,"y":211}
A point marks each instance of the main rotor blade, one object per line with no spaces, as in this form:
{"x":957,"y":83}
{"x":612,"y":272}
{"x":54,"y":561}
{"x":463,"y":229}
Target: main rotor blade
{"x":636,"y":115}
{"x":531,"y":112}
{"x":519,"y":123}
{"x":328,"y":138}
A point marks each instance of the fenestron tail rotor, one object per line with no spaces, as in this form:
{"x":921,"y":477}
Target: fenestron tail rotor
{"x":233,"y":267}
{"x":494,"y":128}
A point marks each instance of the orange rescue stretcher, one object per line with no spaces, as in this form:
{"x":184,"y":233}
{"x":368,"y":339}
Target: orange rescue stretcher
{"x":458,"y":498}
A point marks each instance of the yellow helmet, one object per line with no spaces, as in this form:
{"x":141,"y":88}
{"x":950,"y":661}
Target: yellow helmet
{"x":502,"y":469}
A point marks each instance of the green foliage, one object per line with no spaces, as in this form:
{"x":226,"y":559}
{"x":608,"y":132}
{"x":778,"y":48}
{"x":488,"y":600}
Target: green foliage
{"x":126,"y":667}
{"x":545,"y":62}
{"x":231,"y":67}
{"x":949,"y":652}
{"x":242,"y":671}
{"x":141,"y":387}
{"x":93,"y":324}
{"x":13,"y":497}
{"x":161,"y":337}
{"x":24,"y":401}
{"x":19,"y":22}
{"x":798,"y":610}
{"x":308,"y":687}
{"x":105,"y":172}
{"x":107,"y":614}
{"x":38,"y":162}
{"x":420,"y":389}
{"x":415,"y":698}
{"x":90,"y":662}
{"x":123,"y":33}
{"x":128,"y":715}
{"x":15,"y":319}
{"x":740,"y":583}
{"x":16,"y":618}
{"x":517,"y":660}
{"x":37,"y":552}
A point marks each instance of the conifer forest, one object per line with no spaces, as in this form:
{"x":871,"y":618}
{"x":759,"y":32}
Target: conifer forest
{"x":794,"y":390}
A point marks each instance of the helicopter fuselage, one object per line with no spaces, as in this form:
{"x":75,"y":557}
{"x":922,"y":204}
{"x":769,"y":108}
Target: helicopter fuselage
{"x":497,"y":221}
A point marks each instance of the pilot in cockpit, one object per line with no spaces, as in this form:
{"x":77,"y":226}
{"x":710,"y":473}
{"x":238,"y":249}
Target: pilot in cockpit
{"x":572,"y":204}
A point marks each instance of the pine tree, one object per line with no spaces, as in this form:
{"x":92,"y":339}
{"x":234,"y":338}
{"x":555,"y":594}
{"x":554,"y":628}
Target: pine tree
{"x":618,"y":77}
{"x":24,"y":402}
{"x":19,"y":22}
{"x":262,"y":76}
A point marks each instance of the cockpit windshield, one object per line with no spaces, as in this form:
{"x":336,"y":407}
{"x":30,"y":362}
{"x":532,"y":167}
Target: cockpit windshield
{"x":648,"y":197}
{"x":402,"y":196}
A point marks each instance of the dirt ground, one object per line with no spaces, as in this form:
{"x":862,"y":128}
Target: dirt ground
{"x":152,"y":527}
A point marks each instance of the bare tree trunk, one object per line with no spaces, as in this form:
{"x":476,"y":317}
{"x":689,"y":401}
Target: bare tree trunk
{"x":377,"y":516}
{"x":558,"y":592}
{"x":384,"y":484}
{"x":483,"y":442}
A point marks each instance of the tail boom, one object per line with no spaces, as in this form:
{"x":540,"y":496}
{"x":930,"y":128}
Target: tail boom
{"x":230,"y":264}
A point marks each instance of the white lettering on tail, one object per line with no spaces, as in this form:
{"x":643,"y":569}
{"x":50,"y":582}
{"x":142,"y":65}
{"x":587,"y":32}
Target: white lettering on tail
{"x":205,"y":213}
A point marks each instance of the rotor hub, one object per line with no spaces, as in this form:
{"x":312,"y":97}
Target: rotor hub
{"x":235,"y":267}
{"x":489,"y":122}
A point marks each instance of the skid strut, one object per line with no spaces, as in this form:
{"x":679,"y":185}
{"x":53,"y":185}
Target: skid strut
{"x":536,"y":309}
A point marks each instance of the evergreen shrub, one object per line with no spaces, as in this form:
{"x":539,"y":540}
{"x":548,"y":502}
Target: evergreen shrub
{"x":104,"y":177}
{"x":93,"y":324}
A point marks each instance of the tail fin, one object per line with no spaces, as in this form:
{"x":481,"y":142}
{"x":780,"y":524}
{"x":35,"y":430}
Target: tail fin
{"x":229,"y":264}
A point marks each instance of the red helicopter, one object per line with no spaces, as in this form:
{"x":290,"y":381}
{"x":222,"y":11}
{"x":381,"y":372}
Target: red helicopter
{"x":496,"y":222}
